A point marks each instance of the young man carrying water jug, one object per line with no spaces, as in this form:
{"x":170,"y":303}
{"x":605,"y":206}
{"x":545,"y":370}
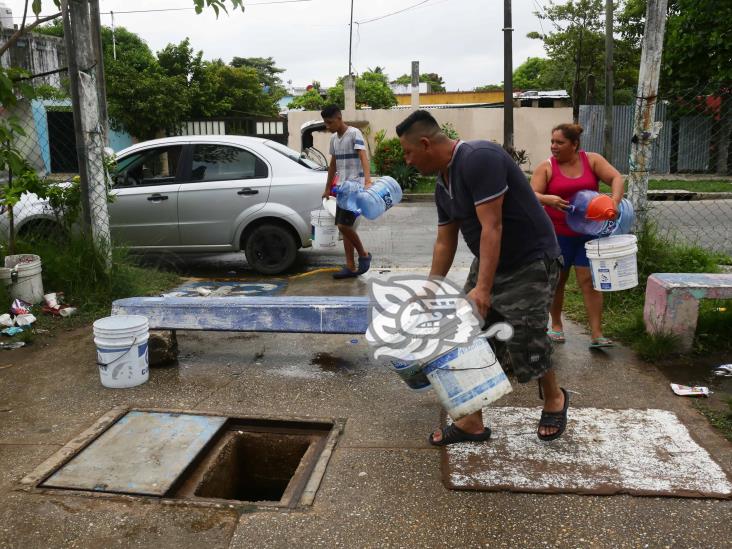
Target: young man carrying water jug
{"x":349,"y":161}
{"x":483,"y":194}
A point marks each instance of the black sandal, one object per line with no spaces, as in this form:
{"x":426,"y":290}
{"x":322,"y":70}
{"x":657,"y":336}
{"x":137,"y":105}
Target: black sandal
{"x":554,"y":419}
{"x":452,"y":434}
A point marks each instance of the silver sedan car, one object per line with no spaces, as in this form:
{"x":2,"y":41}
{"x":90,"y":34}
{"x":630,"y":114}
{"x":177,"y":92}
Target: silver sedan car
{"x":216,"y":193}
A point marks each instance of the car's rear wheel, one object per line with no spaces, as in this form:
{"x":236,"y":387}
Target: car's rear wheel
{"x":270,"y":249}
{"x":42,"y":229}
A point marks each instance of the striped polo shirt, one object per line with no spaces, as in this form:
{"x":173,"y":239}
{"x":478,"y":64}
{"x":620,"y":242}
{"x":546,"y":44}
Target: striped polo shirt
{"x":345,"y":149}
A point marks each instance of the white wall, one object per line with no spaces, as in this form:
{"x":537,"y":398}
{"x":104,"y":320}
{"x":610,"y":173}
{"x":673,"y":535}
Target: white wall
{"x":532,"y":127}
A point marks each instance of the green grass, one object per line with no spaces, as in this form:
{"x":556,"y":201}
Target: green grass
{"x":674,"y":185}
{"x":75,"y":268}
{"x":722,"y":420}
{"x":623,"y":311}
{"x":427,"y":185}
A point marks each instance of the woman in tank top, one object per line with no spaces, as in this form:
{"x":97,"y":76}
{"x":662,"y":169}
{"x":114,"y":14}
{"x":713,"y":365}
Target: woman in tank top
{"x":555,"y":180}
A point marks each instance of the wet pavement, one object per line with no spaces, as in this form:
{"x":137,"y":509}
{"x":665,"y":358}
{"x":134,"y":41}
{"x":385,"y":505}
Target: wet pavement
{"x":383,"y":485}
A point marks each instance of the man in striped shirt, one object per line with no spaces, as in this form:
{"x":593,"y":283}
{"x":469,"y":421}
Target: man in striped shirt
{"x":348,"y":162}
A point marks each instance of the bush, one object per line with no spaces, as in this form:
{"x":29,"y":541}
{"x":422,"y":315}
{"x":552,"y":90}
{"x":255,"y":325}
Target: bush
{"x":389,"y":160}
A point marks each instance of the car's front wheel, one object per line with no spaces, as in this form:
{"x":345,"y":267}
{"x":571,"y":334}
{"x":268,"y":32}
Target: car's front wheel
{"x":270,"y":249}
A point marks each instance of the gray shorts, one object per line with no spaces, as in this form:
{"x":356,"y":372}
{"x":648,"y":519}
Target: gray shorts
{"x":522,"y":298}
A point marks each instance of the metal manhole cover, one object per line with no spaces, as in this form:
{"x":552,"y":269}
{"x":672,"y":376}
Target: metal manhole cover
{"x":143,"y":453}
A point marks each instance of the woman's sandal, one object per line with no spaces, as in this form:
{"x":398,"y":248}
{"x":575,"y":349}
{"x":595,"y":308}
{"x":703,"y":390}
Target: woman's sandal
{"x":452,"y":434}
{"x":557,"y":336}
{"x":600,"y":342}
{"x":554,"y":419}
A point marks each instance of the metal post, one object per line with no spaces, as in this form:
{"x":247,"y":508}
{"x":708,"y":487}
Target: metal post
{"x":609,"y":84}
{"x":507,"y":77}
{"x":645,"y":129}
{"x":114,"y":40}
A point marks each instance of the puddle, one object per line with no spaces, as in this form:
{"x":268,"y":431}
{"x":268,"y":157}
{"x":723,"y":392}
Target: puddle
{"x":329,"y":363}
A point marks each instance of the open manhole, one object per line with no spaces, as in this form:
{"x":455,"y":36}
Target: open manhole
{"x":195,"y":457}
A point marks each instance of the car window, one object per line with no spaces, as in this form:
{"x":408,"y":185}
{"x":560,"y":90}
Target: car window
{"x":158,"y":166}
{"x":293,"y":155}
{"x":220,"y":162}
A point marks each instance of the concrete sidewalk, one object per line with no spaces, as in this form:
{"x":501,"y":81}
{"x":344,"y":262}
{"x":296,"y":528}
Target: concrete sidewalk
{"x":382,"y":487}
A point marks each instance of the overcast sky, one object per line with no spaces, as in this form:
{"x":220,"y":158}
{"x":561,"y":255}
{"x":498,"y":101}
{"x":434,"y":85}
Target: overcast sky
{"x":459,"y":39}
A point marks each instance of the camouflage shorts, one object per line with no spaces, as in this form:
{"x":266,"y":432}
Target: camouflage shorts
{"x":522,"y":298}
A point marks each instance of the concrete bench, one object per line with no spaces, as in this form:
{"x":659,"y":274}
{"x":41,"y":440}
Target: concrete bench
{"x":672,"y":302}
{"x":295,"y":314}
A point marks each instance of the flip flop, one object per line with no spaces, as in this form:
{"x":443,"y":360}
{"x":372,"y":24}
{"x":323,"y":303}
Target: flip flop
{"x":600,"y":342}
{"x":452,"y":434}
{"x":557,"y":336}
{"x":554,"y":419}
{"x":345,"y":272}
{"x":364,"y":263}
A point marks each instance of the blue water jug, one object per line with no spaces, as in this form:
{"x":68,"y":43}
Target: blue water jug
{"x":582,"y":219}
{"x":384,"y":193}
{"x":346,"y":193}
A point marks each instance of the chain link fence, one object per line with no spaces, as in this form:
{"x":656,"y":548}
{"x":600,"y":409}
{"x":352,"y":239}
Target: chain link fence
{"x":690,"y":194}
{"x":44,"y":135}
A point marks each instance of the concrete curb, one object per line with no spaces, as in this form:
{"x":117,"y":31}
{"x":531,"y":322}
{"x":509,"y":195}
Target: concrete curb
{"x":655,"y":196}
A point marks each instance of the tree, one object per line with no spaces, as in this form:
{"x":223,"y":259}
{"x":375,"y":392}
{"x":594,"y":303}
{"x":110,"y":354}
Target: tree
{"x":309,"y":101}
{"x":267,"y":73}
{"x":576,"y":50}
{"x":489,"y":88}
{"x":535,"y":74}
{"x":372,"y":90}
{"x":437,"y":84}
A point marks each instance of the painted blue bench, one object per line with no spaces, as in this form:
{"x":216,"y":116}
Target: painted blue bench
{"x":294,"y":314}
{"x":672,"y":302}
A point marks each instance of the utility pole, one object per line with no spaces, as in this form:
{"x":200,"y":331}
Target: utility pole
{"x":99,"y":57}
{"x":609,"y":84}
{"x":576,"y":85}
{"x":645,"y":129}
{"x":507,"y":77}
{"x":78,"y":33}
{"x":350,"y":42}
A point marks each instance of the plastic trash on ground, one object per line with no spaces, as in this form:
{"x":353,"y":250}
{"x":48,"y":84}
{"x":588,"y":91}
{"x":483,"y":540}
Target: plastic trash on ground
{"x":25,"y":320}
{"x":20,"y":307}
{"x":12,"y":345}
{"x":685,"y":390}
{"x":12,"y":331}
{"x":6,"y":320}
{"x":725,"y":370}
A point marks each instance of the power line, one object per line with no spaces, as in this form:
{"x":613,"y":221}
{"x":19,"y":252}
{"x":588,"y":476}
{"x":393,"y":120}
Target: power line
{"x":190,"y":9}
{"x":392,"y":13}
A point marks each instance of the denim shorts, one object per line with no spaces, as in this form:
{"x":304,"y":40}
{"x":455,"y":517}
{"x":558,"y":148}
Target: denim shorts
{"x":573,"y":250}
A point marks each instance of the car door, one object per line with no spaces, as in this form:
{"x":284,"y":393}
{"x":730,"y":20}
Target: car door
{"x":144,"y":212}
{"x":225,"y":184}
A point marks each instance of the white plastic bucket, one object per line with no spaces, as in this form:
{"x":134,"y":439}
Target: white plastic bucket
{"x":324,"y":230}
{"x":22,"y":275}
{"x":467,"y":378}
{"x":122,"y":354}
{"x":613,"y":262}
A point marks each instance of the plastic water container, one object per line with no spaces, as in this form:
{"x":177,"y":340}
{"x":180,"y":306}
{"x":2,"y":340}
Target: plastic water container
{"x":22,"y":276}
{"x":467,"y":378}
{"x":384,"y":193}
{"x":346,"y":194}
{"x":412,"y":373}
{"x":613,"y":262}
{"x":324,"y":232}
{"x":592,"y":213}
{"x":122,"y":353}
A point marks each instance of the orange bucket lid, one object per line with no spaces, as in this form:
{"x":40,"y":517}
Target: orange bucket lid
{"x":601,"y":207}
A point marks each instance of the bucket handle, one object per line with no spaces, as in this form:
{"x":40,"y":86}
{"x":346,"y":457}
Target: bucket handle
{"x":123,"y":355}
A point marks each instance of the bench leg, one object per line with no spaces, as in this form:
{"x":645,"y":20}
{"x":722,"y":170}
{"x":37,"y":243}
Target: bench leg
{"x":671,"y":312}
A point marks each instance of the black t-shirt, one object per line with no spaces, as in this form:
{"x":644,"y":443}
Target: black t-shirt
{"x":481,"y":171}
